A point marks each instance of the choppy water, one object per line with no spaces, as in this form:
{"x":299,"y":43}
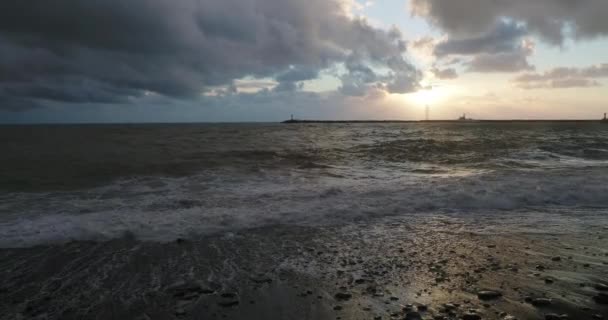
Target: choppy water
{"x":160,"y":182}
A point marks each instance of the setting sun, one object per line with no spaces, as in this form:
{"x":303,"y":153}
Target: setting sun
{"x":429,"y":96}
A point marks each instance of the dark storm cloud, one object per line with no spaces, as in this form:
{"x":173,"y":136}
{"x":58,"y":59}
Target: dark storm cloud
{"x":553,"y":20}
{"x":291,"y":79}
{"x":563,"y":78}
{"x":115,"y":51}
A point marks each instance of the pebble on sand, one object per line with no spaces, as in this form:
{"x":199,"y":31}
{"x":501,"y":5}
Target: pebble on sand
{"x":343,"y":296}
{"x":228,"y":303}
{"x":601,"y":298}
{"x":488,"y":294}
{"x":413,"y":316}
{"x":539,"y":302}
{"x":471,"y":316}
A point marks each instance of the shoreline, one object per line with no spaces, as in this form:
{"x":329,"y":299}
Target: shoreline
{"x":435,"y":268}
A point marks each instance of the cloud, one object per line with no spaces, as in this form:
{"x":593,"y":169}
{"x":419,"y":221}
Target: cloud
{"x":512,"y":61}
{"x":501,"y":49}
{"x":504,"y":37}
{"x":552,"y":20}
{"x":496,"y":34}
{"x":262,"y":105}
{"x":91,"y":52}
{"x":424,"y":43}
{"x":445,"y":74}
{"x":559,"y":78}
{"x":360,"y":78}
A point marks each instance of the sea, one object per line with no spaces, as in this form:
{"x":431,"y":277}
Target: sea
{"x":161,"y":182}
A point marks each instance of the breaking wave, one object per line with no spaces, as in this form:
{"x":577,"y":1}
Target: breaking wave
{"x":161,"y":182}
{"x":163,"y":209}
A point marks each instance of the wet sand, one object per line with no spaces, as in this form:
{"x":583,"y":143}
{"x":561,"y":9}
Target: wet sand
{"x":430,"y":267}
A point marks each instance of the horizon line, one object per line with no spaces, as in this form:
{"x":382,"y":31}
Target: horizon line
{"x":304,"y":121}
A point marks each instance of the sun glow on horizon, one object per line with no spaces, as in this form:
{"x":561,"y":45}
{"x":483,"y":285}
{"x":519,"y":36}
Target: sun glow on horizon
{"x":429,"y":96}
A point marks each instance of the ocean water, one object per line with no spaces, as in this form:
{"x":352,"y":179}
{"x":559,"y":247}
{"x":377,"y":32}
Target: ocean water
{"x":162,"y":182}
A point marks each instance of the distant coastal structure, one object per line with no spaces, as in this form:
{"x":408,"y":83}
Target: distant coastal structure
{"x":464,"y":118}
{"x":292,"y":120}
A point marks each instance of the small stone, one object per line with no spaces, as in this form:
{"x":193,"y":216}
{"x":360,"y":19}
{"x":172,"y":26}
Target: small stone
{"x":471,"y":316}
{"x":261,"y":280}
{"x":338,"y":308}
{"x":343,"y":296}
{"x":449,"y":306}
{"x":556,"y":259}
{"x":540,"y":302}
{"x":553,"y":316}
{"x":601,"y":298}
{"x":488,"y":294}
{"x":413,"y":315}
{"x":601,"y":287}
{"x":228,"y":303}
{"x":422,"y":307}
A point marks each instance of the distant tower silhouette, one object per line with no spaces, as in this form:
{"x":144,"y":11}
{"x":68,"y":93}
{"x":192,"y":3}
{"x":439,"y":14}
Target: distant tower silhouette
{"x":605,"y":117}
{"x":292,"y":117}
{"x":426,"y":112}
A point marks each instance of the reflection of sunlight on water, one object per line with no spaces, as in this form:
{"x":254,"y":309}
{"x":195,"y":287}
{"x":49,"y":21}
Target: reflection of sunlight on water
{"x":402,"y":171}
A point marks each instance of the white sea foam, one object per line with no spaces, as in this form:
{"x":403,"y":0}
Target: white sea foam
{"x":162,"y":209}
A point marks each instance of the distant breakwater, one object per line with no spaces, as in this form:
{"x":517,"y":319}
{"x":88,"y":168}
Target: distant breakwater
{"x":295,"y":121}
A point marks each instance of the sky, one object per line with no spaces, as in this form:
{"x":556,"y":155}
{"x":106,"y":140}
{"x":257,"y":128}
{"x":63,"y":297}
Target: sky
{"x":264,"y":60}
